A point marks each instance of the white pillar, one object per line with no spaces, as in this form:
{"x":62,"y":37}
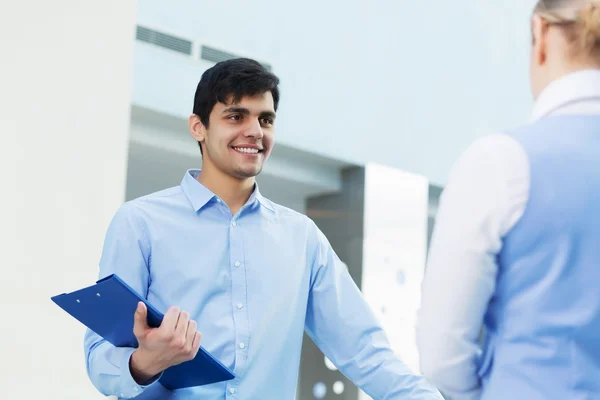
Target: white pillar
{"x":65,"y":95}
{"x":394,"y":253}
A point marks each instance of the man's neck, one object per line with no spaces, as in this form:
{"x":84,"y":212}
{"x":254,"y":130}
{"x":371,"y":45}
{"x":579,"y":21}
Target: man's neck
{"x":234,"y":192}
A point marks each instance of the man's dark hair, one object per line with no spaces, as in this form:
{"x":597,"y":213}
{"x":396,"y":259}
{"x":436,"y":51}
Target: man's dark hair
{"x":232,"y":80}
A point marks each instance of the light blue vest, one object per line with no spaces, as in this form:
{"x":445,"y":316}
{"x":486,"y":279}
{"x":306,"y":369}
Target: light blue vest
{"x":543,"y":324}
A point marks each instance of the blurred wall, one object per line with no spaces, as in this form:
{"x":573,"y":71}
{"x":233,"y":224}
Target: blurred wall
{"x":404,"y":84}
{"x":65,"y":95}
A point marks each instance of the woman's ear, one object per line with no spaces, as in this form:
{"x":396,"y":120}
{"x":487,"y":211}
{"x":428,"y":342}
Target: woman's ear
{"x":539,"y":31}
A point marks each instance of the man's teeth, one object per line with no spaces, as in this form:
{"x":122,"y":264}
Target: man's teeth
{"x":246,"y":150}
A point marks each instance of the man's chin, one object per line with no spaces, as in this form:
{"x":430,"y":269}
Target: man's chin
{"x":248,"y":173}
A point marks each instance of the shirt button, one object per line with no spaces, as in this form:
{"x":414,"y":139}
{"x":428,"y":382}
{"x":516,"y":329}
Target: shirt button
{"x":237,"y":264}
{"x":240,"y":306}
{"x":234,"y":223}
{"x":242,"y":345}
{"x":232,"y":390}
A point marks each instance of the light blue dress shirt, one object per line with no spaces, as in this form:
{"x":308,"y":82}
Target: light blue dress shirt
{"x":254,"y":282}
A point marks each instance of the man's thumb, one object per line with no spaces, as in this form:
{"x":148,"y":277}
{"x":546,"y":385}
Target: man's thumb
{"x":141,"y":323}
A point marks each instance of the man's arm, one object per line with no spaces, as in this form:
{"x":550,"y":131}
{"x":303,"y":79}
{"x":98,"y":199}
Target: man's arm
{"x":122,"y":371}
{"x":342,"y":325}
{"x":484,"y":198}
{"x":126,"y":252}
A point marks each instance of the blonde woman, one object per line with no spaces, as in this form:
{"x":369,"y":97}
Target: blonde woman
{"x":516,"y":247}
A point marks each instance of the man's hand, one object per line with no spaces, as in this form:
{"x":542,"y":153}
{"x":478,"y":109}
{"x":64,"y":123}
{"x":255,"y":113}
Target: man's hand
{"x":175,"y":341}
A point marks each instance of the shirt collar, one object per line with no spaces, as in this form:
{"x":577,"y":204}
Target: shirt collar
{"x":572,"y":88}
{"x":266,"y":203}
{"x":196,"y":192}
{"x":199,"y":195}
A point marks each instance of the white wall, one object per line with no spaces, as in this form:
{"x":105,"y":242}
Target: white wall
{"x":405,"y":84}
{"x":65,"y":93}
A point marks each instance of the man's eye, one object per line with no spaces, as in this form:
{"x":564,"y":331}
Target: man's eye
{"x":266,"y":121}
{"x":235,"y":117}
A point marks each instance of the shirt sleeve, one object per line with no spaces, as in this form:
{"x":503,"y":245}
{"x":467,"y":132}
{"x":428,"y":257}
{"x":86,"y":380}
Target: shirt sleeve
{"x":485,"y":196}
{"x":126,"y":252}
{"x":342,"y":325}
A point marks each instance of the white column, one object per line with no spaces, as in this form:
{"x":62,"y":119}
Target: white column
{"x":65,"y":95}
{"x":394,"y":253}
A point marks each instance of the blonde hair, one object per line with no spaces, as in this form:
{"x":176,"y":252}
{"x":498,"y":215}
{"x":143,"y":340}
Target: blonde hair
{"x":580,"y":20}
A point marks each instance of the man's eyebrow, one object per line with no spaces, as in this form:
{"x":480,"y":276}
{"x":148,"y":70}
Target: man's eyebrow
{"x":267,"y":114}
{"x":238,"y":110}
{"x":245,"y":111}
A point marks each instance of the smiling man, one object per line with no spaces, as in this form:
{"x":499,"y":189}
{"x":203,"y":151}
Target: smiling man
{"x":251,"y":275}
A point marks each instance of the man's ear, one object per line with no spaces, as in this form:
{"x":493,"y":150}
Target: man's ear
{"x":197,"y":128}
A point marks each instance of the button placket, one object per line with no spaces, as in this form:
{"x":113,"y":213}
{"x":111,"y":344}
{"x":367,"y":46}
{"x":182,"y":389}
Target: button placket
{"x":239,"y":295}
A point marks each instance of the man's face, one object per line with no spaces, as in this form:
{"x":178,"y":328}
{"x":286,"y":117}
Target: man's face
{"x":240,"y":136}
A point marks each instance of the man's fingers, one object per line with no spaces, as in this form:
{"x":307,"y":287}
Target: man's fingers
{"x":182,"y":325}
{"x":197,"y":340}
{"x":170,"y":320}
{"x":191,"y":332}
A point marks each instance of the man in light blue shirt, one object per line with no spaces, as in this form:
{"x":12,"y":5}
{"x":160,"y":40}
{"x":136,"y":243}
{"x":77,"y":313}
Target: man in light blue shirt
{"x":252,"y":276}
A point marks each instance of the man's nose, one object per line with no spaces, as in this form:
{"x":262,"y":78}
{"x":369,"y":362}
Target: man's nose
{"x":255,"y":129}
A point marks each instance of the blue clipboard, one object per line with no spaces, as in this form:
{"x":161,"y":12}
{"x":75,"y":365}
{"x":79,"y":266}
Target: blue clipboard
{"x":108,"y":307}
